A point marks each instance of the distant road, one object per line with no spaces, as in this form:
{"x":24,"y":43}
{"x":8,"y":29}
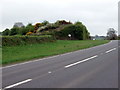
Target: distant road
{"x":95,"y":67}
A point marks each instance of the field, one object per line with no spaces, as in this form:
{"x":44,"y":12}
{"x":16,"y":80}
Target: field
{"x":14,"y":54}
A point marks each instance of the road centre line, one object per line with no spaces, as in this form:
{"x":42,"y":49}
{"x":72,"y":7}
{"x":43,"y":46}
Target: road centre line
{"x":110,"y":50}
{"x":67,"y":66}
{"x":19,"y":83}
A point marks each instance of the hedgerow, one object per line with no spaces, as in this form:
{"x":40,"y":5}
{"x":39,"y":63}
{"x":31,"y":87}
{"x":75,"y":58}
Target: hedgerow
{"x":23,"y":40}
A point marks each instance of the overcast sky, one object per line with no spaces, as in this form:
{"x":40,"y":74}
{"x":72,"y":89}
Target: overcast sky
{"x":97,"y":15}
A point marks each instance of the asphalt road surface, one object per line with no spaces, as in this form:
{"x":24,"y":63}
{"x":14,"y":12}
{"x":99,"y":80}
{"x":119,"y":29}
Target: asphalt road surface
{"x":95,"y":67}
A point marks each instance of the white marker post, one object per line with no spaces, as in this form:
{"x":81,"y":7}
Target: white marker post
{"x":69,"y":35}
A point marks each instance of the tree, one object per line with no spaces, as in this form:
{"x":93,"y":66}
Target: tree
{"x":30,"y":27}
{"x":18,"y":25}
{"x":0,"y":33}
{"x":62,"y":22}
{"x":78,"y":23}
{"x":111,"y":34}
{"x":6,"y":32}
{"x":86,"y":34}
{"x":118,"y":37}
{"x":14,"y":31}
{"x":23,"y":31}
{"x":45,"y":22}
{"x":77,"y":31}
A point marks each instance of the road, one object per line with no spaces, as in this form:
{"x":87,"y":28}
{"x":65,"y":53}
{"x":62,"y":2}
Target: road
{"x":95,"y":67}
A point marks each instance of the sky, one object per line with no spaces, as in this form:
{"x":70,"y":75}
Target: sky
{"x":97,"y":15}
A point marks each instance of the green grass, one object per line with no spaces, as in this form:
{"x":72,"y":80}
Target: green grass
{"x":15,"y":54}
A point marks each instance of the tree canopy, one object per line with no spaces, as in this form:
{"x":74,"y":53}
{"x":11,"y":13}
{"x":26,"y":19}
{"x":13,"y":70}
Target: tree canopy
{"x":77,"y":31}
{"x":60,"y":29}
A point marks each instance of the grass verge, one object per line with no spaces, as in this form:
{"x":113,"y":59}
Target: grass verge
{"x":13,"y":54}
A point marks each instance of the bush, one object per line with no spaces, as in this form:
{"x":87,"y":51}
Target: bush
{"x":6,"y":32}
{"x":78,"y":32}
{"x":18,"y":30}
{"x":45,"y":22}
{"x":23,"y":31}
{"x":14,"y":31}
{"x":48,"y":27}
{"x":119,"y":37}
{"x":22,"y":40}
{"x":29,"y":33}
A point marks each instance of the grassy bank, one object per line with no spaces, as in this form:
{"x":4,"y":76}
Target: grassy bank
{"x":13,"y":54}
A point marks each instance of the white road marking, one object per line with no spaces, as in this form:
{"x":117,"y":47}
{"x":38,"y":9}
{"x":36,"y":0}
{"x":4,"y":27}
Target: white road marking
{"x":19,"y":83}
{"x":49,"y":72}
{"x":29,"y":61}
{"x":37,"y":60}
{"x":49,"y":57}
{"x":81,"y":61}
{"x":110,"y":50}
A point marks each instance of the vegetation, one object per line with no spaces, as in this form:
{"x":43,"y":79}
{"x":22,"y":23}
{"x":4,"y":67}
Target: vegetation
{"x":13,"y":54}
{"x":118,"y":37}
{"x":18,"y":30}
{"x":23,"y":40}
{"x":59,"y":29}
{"x":78,"y":32}
{"x":111,"y":34}
{"x":6,"y":32}
{"x":45,"y":22}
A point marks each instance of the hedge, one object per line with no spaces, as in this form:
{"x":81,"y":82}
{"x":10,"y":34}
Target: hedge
{"x":23,"y":40}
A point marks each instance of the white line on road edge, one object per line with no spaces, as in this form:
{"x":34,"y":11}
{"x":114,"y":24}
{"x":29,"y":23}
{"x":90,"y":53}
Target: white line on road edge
{"x":29,"y":61}
{"x":28,"y":80}
{"x":49,"y":57}
{"x":110,"y":50}
{"x":81,"y":61}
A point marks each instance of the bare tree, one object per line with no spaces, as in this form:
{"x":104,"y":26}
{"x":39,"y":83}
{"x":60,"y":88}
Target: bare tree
{"x":111,"y":34}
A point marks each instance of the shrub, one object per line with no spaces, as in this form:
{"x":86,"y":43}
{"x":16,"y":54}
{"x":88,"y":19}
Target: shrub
{"x":14,"y":31}
{"x":22,"y":40}
{"x":45,"y":22}
{"x":78,"y":31}
{"x":6,"y":32}
{"x":29,"y":33}
{"x":36,"y":26}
